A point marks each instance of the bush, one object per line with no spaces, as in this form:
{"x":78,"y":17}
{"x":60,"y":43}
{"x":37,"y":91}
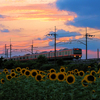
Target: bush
{"x":9,"y":64}
{"x":60,"y":62}
{"x":68,"y":62}
{"x":1,"y":62}
{"x":42,"y":60}
{"x":46,"y":67}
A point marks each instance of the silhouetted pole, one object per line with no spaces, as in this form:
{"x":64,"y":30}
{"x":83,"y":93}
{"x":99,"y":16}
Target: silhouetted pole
{"x":55,"y":45}
{"x":86,"y":43}
{"x":86,"y":40}
{"x":7,"y":53}
{"x":5,"y":50}
{"x":98,"y":53}
{"x":10,"y":48}
{"x":32,"y":47}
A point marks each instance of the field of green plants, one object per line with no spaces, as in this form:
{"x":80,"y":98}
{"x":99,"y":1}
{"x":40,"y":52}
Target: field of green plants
{"x":62,"y":84}
{"x":44,"y":81}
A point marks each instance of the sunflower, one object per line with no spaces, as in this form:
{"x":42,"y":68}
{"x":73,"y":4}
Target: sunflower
{"x":68,"y":72}
{"x":65,"y":73}
{"x":93,"y":72}
{"x":27,"y":67}
{"x":89,"y":66}
{"x":6,"y":72}
{"x":70,"y":79}
{"x":75,"y":71}
{"x":62,"y":69}
{"x":5,"y":69}
{"x":38,"y":71}
{"x":48,"y":75}
{"x":8,"y":77}
{"x":27,"y":73}
{"x":61,"y":66}
{"x":43,"y":76}
{"x":2,"y":81}
{"x":52,"y":70}
{"x":22,"y":71}
{"x":34,"y":73}
{"x":61,"y":76}
{"x":16,"y":76}
{"x":87,"y":71}
{"x":21,"y":74}
{"x":53,"y":76}
{"x":13,"y":74}
{"x":81,"y":73}
{"x":93,"y":91}
{"x":48,"y":70}
{"x":38,"y":77}
{"x":84,"y":83}
{"x":66,"y":67}
{"x":41,"y":72}
{"x":90,"y":78}
{"x":98,"y":71}
{"x":12,"y":70}
{"x":98,"y":76}
{"x":71,"y":72}
{"x":18,"y":69}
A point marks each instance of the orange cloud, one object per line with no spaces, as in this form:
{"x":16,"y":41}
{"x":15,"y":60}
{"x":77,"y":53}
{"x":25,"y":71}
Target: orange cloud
{"x":35,"y":12}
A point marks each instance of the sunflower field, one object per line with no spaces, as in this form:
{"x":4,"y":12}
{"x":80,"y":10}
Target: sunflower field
{"x":63,"y":84}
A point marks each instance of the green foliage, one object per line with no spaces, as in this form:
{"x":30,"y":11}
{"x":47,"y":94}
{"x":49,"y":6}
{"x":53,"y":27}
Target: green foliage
{"x":42,"y":60}
{"x":60,"y":62}
{"x":48,"y":90}
{"x":46,"y":67}
{"x":9,"y":64}
{"x":1,"y":61}
{"x":68,"y":62}
{"x":83,"y":67}
{"x":24,"y":88}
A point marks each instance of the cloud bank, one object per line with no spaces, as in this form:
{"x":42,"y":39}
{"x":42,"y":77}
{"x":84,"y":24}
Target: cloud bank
{"x":86,"y":10}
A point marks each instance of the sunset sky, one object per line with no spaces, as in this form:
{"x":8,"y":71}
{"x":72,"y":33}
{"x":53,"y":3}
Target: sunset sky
{"x":25,"y":20}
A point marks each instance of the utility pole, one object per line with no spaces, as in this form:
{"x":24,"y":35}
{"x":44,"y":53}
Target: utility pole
{"x":5,"y":50}
{"x":98,"y":53}
{"x":86,"y":43}
{"x":54,"y":43}
{"x":32,"y":47}
{"x":86,"y":40}
{"x":10,"y":48}
{"x":7,"y":53}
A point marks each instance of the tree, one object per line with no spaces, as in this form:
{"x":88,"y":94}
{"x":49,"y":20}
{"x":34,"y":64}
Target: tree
{"x":42,"y":60}
{"x":1,"y":61}
{"x":60,"y":61}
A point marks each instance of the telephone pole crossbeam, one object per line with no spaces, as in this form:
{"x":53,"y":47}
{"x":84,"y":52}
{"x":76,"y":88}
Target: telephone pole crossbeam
{"x":86,"y":40}
{"x":54,"y":43}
